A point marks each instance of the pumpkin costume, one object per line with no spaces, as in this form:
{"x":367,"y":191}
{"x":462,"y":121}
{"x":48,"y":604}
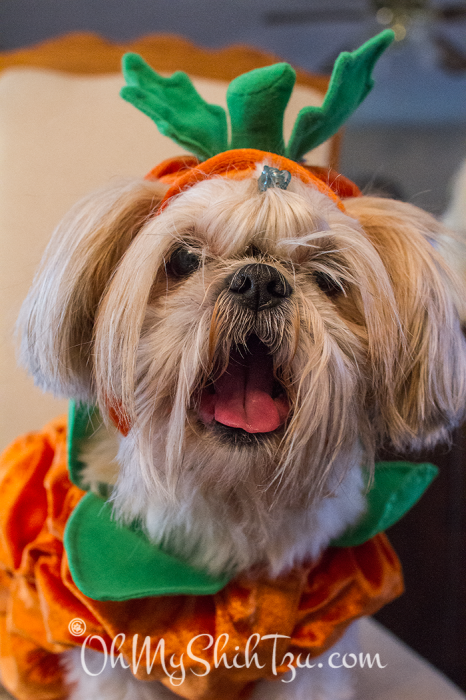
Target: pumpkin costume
{"x":311,"y":605}
{"x":65,"y":564}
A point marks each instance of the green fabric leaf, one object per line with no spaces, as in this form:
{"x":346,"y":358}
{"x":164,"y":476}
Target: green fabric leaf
{"x":176,"y":107}
{"x":397,"y":486}
{"x":111,"y":562}
{"x":257,"y":101}
{"x":350,"y":84}
{"x":83,"y":421}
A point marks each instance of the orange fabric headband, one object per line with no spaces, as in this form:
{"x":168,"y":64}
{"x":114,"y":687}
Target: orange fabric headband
{"x":239,"y":164}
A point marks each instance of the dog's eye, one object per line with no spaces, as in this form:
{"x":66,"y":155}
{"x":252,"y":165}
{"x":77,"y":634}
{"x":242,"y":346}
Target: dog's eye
{"x":327,"y":284}
{"x":183,"y":262}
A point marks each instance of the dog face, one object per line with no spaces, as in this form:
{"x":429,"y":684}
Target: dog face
{"x":250,"y":341}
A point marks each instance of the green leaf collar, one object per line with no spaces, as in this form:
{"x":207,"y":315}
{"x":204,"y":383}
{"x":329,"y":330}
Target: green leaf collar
{"x":396,"y":488}
{"x":109,"y":561}
{"x":256,"y":104}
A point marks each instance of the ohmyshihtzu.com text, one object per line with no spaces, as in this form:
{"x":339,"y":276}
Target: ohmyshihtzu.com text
{"x":175,"y":667}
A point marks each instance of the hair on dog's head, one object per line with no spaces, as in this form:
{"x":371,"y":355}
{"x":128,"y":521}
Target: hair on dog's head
{"x":249,"y":341}
{"x":57,"y":318}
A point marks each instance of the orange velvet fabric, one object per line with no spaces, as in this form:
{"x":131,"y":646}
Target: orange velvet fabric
{"x":312,"y":605}
{"x":185,"y":171}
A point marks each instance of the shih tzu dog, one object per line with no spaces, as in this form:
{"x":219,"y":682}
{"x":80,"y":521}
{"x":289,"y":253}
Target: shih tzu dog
{"x":250,"y":333}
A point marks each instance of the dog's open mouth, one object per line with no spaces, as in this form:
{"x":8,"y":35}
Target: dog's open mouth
{"x":247,"y":396}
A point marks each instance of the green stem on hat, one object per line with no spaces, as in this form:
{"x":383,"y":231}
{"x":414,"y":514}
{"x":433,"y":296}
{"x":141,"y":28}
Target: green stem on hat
{"x":257,"y":101}
{"x":176,"y":107}
{"x":350,"y":83}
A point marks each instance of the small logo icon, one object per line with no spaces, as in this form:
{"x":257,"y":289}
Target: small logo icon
{"x":77,"y":627}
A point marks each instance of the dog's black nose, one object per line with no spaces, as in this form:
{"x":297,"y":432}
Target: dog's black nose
{"x":260,"y":286}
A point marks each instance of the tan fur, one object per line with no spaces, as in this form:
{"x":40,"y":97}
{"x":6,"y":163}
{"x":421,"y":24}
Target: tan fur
{"x":57,"y":317}
{"x":383,"y":358}
{"x":429,"y":387}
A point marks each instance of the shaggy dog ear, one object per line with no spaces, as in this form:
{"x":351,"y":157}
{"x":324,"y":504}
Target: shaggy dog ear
{"x":427,"y":396}
{"x":57,"y":318}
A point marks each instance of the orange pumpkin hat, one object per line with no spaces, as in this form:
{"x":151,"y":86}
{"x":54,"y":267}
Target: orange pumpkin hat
{"x":256,"y":105}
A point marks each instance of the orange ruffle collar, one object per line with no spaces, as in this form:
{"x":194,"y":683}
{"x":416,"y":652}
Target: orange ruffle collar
{"x":311,"y":606}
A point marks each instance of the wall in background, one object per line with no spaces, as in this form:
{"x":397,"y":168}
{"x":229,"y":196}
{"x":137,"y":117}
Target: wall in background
{"x":420,"y":161}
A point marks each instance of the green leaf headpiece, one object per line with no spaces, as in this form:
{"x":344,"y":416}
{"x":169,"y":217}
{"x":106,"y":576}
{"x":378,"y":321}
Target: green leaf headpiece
{"x":256,"y":104}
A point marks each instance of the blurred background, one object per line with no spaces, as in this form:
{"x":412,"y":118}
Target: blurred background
{"x":407,"y":140}
{"x":410,"y":134}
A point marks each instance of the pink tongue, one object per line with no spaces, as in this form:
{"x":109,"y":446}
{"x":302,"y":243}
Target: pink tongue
{"x":243,"y":394}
